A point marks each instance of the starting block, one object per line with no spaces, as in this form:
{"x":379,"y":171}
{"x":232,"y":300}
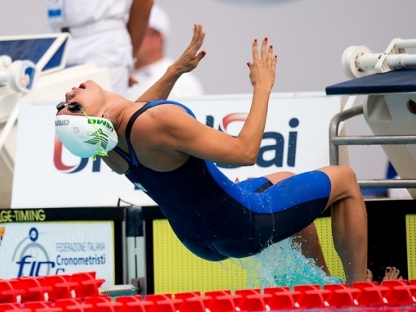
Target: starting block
{"x":390,"y":111}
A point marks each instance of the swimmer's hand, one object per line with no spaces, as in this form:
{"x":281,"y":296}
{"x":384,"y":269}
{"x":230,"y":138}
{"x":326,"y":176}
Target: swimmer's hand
{"x":263,"y":67}
{"x":190,"y":58}
{"x":262,"y":75}
{"x":185,"y":63}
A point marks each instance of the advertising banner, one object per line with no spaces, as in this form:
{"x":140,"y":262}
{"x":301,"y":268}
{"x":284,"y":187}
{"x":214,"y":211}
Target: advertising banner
{"x":48,"y":248}
{"x":48,"y":175}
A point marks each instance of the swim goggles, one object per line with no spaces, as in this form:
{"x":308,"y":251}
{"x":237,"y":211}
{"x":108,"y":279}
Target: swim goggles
{"x":73,"y":107}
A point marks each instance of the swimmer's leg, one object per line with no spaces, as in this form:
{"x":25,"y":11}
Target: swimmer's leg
{"x":311,"y":247}
{"x":308,"y":237}
{"x":349,"y":221}
{"x":369,"y":276}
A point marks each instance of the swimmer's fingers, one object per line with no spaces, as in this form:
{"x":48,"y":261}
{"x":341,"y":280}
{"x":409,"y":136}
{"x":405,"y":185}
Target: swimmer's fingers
{"x":263,"y":55}
{"x":264,"y":49}
{"x":198,"y":37}
{"x":271,"y":57}
{"x":254,"y":51}
{"x":263,"y":67}
{"x":191,"y":57}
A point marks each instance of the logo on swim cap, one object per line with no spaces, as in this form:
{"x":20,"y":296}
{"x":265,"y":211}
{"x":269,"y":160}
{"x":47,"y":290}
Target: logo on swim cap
{"x":86,"y":136}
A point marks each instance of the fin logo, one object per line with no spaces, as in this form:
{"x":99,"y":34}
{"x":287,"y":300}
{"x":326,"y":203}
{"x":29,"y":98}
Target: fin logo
{"x":31,"y":257}
{"x":98,"y":137}
{"x":273,"y":147}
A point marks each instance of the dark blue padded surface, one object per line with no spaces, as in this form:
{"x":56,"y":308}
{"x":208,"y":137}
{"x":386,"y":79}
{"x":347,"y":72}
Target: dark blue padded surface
{"x":26,"y":49}
{"x":396,"y":81}
{"x":33,"y":50}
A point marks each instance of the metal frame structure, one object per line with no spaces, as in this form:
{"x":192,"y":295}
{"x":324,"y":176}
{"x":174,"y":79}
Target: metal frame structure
{"x":336,"y":140}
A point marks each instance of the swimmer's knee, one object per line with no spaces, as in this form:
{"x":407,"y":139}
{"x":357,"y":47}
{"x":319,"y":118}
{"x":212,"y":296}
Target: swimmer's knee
{"x":348,"y":174}
{"x":341,"y":173}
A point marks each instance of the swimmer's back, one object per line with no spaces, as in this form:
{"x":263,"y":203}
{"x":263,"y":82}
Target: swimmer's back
{"x":214,"y":217}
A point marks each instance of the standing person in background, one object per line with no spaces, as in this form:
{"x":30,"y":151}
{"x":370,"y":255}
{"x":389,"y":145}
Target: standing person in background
{"x":151,"y":62}
{"x":106,"y":33}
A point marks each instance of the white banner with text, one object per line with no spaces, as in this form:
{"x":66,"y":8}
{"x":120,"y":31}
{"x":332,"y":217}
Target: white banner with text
{"x":48,"y":175}
{"x":52,"y":248}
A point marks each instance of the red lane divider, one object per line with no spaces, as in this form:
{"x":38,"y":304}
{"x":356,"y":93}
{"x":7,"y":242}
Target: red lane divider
{"x":164,"y":302}
{"x":253,"y":300}
{"x":135,"y":304}
{"x":73,"y":305}
{"x":341,"y":295}
{"x":282,"y":298}
{"x":33,"y":289}
{"x":12,"y":307}
{"x":371,"y":294}
{"x":103,"y":304}
{"x":86,"y":284}
{"x":61,"y":286}
{"x":309,"y":296}
{"x":222,"y":300}
{"x":399,"y":292}
{"x":8,"y":293}
{"x":192,"y":301}
{"x":80,"y":292}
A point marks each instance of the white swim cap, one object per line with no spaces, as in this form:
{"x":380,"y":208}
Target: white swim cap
{"x":86,"y":136}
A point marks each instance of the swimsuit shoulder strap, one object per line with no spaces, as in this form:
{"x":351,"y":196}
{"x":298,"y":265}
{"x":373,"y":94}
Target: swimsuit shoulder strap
{"x":131,"y":158}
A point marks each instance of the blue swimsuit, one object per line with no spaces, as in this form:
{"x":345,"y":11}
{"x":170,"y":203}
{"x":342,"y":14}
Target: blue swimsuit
{"x":216,"y":218}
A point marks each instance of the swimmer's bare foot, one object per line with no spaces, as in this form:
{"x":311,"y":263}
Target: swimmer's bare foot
{"x":369,"y":276}
{"x":392,"y":273}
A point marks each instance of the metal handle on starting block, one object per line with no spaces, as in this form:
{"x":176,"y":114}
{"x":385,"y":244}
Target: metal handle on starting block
{"x":359,"y":61}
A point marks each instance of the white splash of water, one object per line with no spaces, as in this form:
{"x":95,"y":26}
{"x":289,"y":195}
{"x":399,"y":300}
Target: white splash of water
{"x":283,"y":264}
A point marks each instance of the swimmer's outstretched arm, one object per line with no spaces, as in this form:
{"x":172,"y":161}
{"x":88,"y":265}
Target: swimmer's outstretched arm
{"x":179,"y":131}
{"x":262,"y":77}
{"x":185,"y":63}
